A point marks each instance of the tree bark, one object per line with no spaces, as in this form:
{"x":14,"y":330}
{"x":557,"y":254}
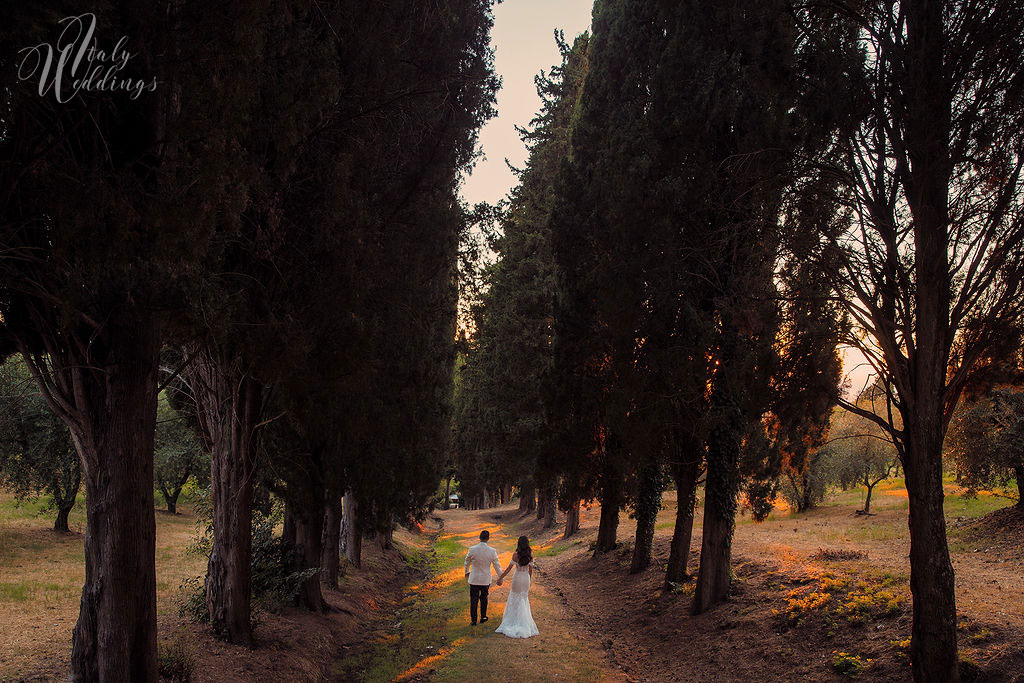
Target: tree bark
{"x":61,"y":523}
{"x":927,"y":120}
{"x":714,"y":575}
{"x":228,"y":404}
{"x":330,"y":560}
{"x":527,"y":498}
{"x":647,"y":505}
{"x":447,"y":494}
{"x":685,"y":474}
{"x":611,"y":501}
{"x":572,"y":518}
{"x":115,"y":636}
{"x":308,"y":535}
{"x":66,"y":502}
{"x":351,"y":532}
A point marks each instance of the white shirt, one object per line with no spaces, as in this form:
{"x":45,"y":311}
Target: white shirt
{"x":479,"y":560}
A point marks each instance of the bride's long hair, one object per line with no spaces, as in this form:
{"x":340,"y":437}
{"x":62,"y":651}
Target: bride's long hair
{"x":524,"y":552}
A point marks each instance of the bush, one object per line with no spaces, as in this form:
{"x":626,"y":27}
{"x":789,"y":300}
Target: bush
{"x":846,"y":664}
{"x":174,"y":660}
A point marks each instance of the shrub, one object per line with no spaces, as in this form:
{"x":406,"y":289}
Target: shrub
{"x":174,"y":660}
{"x":845,"y":664}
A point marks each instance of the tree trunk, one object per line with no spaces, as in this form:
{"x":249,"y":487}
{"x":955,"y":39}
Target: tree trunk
{"x":351,"y":532}
{"x":387,"y":537}
{"x":685,"y":474}
{"x":308,"y":526}
{"x":66,"y":502}
{"x":506,"y":494}
{"x":713,"y":577}
{"x":805,"y":503}
{"x":227,"y":409}
{"x":527,"y":498}
{"x":546,"y":504}
{"x":330,"y":560}
{"x":61,"y":523}
{"x":867,"y":499}
{"x":933,"y":644}
{"x":572,"y":518}
{"x":447,"y":494}
{"x":611,"y":501}
{"x":115,"y":636}
{"x":172,"y":501}
{"x":647,"y":505}
{"x":926,"y":96}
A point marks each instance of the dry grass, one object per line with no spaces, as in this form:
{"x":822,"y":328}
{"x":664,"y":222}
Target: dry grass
{"x":41,"y":576}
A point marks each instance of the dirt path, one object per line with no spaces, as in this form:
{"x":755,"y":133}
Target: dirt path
{"x":430,"y":637}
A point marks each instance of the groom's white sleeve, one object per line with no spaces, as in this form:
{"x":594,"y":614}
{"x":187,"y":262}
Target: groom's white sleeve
{"x":468,"y":563}
{"x":496,"y":562}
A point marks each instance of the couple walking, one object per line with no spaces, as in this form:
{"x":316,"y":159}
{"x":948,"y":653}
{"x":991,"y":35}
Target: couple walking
{"x":517,"y":621}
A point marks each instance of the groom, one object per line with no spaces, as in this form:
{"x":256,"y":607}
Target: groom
{"x":479,"y":560}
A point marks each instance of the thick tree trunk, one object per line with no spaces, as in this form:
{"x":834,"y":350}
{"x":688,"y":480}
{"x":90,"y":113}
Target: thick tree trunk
{"x":330,"y":560}
{"x":527,"y":498}
{"x":308,"y":536}
{"x":506,"y":494}
{"x":647,"y":506}
{"x":351,"y":531}
{"x":115,"y":637}
{"x":227,"y":408}
{"x":387,"y":537}
{"x":713,"y":577}
{"x":542,"y":503}
{"x":685,"y":474}
{"x":447,"y":494}
{"x":611,"y":501}
{"x":933,"y":650}
{"x":572,"y":518}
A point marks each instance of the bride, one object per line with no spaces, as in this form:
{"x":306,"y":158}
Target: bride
{"x":517,"y":621}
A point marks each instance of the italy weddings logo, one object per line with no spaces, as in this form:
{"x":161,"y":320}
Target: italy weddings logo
{"x":75,"y":63}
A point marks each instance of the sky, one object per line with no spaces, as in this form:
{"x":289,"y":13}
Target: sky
{"x":523,"y":37}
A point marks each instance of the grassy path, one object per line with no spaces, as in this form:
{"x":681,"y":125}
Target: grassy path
{"x":430,"y":638}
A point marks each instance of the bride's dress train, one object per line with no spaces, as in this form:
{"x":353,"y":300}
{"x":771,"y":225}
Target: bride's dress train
{"x":517,"y":622}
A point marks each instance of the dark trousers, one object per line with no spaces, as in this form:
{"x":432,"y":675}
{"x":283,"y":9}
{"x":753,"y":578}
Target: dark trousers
{"x":477,"y":594}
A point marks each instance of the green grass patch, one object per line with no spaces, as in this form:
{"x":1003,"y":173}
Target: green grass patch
{"x":13,"y":592}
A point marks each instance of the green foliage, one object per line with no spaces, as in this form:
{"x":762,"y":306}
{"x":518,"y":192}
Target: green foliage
{"x":985,"y":441}
{"x":846,"y":664}
{"x":178,"y":455}
{"x":36,"y":452}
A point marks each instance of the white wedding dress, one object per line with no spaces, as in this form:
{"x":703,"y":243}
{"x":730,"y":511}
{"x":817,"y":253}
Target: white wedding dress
{"x":517,"y":622}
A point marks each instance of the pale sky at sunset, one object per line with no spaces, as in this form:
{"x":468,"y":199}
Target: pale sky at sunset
{"x":523,"y":34}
